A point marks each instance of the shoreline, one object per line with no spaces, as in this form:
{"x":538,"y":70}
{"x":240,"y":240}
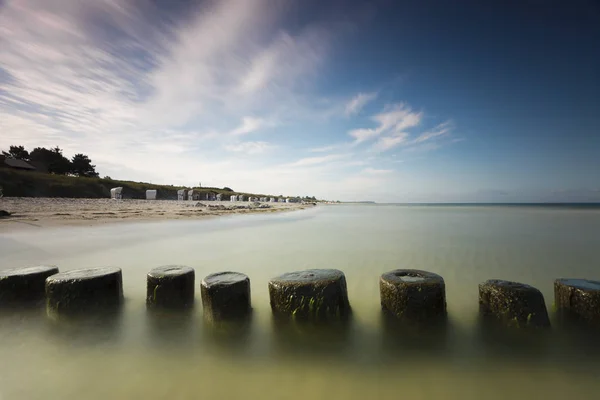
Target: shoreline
{"x":46,"y":212}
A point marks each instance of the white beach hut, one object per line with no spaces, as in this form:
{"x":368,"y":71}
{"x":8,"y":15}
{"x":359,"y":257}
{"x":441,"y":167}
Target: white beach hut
{"x":233,"y":198}
{"x":219,"y":197}
{"x":182,"y":194}
{"x":116,"y":193}
{"x":151,"y":194}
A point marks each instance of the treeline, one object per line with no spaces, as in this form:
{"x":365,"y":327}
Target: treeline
{"x":53,"y":161}
{"x":56,"y":176}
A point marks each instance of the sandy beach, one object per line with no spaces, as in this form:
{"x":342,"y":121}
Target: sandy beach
{"x":27,"y":212}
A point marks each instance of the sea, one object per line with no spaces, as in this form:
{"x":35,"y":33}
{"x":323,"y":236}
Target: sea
{"x":171,"y":355}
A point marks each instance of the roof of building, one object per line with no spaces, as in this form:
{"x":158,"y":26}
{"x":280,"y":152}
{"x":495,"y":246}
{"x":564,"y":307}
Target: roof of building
{"x":14,"y":163}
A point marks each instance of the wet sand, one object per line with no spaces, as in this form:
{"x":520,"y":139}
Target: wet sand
{"x":27,"y":212}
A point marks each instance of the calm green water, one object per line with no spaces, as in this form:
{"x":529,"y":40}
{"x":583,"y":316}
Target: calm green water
{"x":181,"y":357}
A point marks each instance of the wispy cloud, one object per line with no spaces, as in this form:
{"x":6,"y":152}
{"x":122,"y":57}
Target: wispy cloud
{"x":356,"y":104}
{"x":392,"y":120}
{"x":323,"y":149}
{"x":440,"y":130}
{"x":375,"y":171}
{"x":389,"y":142}
{"x":249,"y":147}
{"x":249,"y":124}
{"x":318,"y":160}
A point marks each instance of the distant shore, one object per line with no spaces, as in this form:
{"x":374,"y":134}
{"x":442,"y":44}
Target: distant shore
{"x":27,"y":212}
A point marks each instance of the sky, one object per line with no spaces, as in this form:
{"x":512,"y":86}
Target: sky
{"x":389,"y":101}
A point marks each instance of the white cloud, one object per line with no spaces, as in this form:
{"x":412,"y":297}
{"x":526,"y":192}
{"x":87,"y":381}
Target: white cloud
{"x":323,"y":149}
{"x":363,"y":134}
{"x":249,"y":147}
{"x":397,"y":117}
{"x":358,"y":102}
{"x":374,"y":171}
{"x":249,"y":124}
{"x":392,"y":120}
{"x":388,"y":142}
{"x":440,"y":130}
{"x":318,"y":160}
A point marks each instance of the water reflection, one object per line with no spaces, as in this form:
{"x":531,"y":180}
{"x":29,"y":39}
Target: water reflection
{"x":171,"y":328}
{"x":402,"y":339}
{"x":310,"y":339}
{"x":527,"y":344}
{"x":231,"y":336}
{"x":99,"y":326}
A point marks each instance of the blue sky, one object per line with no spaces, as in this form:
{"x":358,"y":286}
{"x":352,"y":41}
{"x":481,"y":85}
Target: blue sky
{"x":381,"y":100}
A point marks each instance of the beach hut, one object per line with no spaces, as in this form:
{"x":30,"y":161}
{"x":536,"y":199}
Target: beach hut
{"x":233,"y":198}
{"x":273,"y":200}
{"x":241,"y":197}
{"x":195,"y":195}
{"x":116,"y":193}
{"x":219,"y":197}
{"x":151,"y":194}
{"x":182,"y":194}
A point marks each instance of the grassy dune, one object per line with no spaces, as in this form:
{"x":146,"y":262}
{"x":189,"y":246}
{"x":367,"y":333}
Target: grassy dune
{"x":34,"y":184}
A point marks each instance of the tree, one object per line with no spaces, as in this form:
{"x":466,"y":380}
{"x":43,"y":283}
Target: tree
{"x":81,"y":165}
{"x":17,"y":152}
{"x":52,"y":159}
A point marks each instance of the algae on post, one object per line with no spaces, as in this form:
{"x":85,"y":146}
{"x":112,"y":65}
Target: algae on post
{"x":313,"y":294}
{"x":512,"y":304}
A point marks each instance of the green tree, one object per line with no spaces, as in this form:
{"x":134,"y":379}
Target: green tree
{"x":52,"y":159}
{"x":17,"y":152}
{"x":81,"y":165}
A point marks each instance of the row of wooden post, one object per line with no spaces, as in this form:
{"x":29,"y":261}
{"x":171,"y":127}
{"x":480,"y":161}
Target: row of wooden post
{"x":319,"y":294}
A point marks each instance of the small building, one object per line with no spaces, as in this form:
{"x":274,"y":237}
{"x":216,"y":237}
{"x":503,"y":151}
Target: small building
{"x":273,"y":200}
{"x":194,"y":195}
{"x":288,"y":200}
{"x":182,"y":194}
{"x":151,"y":194}
{"x":219,"y":197}
{"x":241,"y":197}
{"x":116,"y":193}
{"x":233,"y":197}
{"x":17,"y":164}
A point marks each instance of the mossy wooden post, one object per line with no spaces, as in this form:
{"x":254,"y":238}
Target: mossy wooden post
{"x":84,"y":290}
{"x":24,"y":285}
{"x":170,"y":286}
{"x":225,"y":296}
{"x":413,"y":295}
{"x":314,"y":294}
{"x":512,"y":304}
{"x":578,"y":299}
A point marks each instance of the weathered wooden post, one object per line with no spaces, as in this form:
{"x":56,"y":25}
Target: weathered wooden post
{"x":314,"y":294}
{"x":225,"y":296}
{"x":578,"y":300}
{"x":512,"y":304}
{"x":84,"y":290}
{"x":170,"y":286}
{"x":24,"y":285}
{"x":413,"y":295}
